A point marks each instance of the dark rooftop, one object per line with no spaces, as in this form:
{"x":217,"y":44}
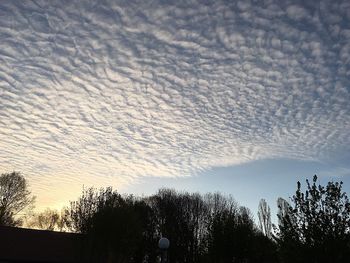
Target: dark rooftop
{"x":29,"y":245}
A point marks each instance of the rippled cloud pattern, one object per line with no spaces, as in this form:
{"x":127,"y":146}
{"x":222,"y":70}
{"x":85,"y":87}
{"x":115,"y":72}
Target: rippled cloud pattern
{"x":106,"y":92}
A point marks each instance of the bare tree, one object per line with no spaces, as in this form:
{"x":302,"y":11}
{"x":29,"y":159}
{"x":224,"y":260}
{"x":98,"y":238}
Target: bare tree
{"x":14,"y":198}
{"x":264,"y":215}
{"x":47,"y":220}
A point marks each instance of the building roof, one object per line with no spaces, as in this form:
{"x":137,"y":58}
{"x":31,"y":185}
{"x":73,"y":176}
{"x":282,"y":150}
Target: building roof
{"x":29,"y":245}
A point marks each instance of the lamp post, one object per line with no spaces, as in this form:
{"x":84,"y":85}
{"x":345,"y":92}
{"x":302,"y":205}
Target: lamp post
{"x":163,"y":245}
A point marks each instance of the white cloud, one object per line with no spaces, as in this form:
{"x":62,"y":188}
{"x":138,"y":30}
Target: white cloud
{"x":296,"y":12}
{"x":107,"y":93}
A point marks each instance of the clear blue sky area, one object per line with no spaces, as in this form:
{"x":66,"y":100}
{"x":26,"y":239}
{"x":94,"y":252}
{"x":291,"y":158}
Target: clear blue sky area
{"x":249,"y":182}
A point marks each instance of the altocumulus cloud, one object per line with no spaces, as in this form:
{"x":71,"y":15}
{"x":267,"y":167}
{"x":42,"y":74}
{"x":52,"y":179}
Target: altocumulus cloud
{"x":105,"y":92}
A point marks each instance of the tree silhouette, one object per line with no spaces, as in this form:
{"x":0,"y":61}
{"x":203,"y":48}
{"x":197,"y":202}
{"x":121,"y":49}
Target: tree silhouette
{"x":209,"y":228}
{"x":316,"y":228}
{"x":47,"y":220}
{"x":114,"y":225}
{"x":233,"y":237}
{"x":78,"y":215}
{"x":14,"y":198}
{"x":284,"y":211}
{"x":179,"y":218}
{"x":117,"y":229}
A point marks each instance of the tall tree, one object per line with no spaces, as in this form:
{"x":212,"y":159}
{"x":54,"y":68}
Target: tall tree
{"x":284,"y":211}
{"x":233,"y":236}
{"x":116,"y":230}
{"x":113,"y":224}
{"x":317,"y":227}
{"x":14,"y":198}
{"x":175,"y":221}
{"x":78,"y":215}
{"x":264,"y":215}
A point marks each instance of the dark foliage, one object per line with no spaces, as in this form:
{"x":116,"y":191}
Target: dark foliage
{"x":210,"y":228}
{"x":78,"y":216}
{"x":117,"y":230}
{"x":181,"y":217}
{"x":116,"y":226}
{"x":201,"y":229}
{"x":14,"y":198}
{"x":317,"y":227}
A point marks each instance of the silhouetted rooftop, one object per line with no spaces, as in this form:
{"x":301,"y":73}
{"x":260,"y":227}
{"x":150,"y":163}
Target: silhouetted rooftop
{"x":28,"y":245}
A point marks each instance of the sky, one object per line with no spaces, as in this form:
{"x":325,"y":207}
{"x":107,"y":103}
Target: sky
{"x":242,"y":97}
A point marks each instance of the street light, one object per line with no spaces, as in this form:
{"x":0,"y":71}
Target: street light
{"x":163,"y":244}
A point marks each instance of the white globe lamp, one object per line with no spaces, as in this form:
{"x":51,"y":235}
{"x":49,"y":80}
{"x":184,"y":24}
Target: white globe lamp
{"x":163,"y":245}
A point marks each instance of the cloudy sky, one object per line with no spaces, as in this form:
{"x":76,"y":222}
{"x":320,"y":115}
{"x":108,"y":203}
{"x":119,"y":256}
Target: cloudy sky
{"x":243,"y":97}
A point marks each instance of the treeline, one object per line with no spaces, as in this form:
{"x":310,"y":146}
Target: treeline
{"x":314,"y":226}
{"x":201,"y":228}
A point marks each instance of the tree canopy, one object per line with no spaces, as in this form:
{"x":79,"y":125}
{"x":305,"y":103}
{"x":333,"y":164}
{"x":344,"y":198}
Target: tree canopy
{"x":201,"y":228}
{"x":313,"y":227}
{"x":14,"y":198}
{"x":316,"y":227}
